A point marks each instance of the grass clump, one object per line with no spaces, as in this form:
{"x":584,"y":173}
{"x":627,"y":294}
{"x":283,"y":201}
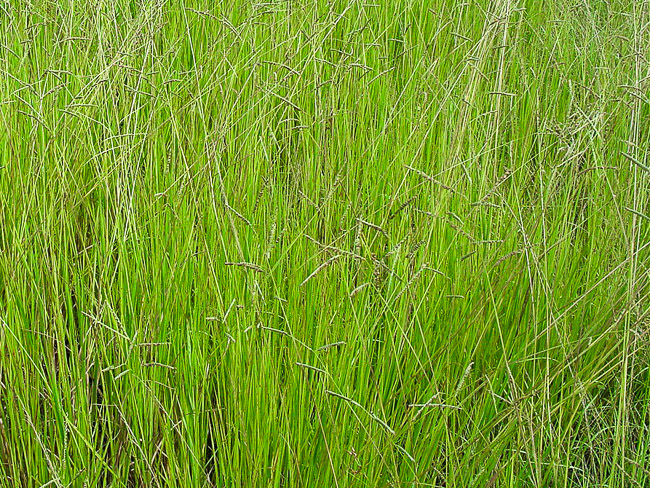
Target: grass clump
{"x":300,"y":243}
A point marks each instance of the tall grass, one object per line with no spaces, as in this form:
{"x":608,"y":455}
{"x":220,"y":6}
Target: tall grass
{"x":324,"y":243}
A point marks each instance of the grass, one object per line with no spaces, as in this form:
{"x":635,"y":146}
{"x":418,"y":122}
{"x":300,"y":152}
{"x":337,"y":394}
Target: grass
{"x":324,"y":243}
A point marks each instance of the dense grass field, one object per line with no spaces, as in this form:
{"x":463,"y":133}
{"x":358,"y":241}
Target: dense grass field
{"x":311,"y":243}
